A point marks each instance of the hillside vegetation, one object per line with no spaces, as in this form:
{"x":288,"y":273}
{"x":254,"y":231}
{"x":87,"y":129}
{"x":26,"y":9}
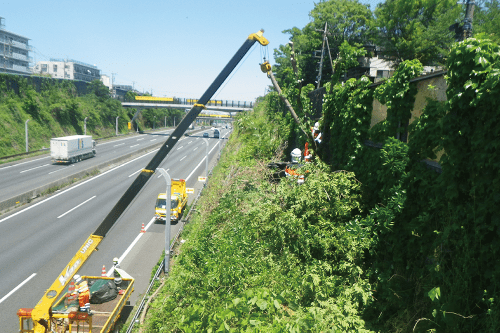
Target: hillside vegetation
{"x":374,"y":241}
{"x":59,"y":110}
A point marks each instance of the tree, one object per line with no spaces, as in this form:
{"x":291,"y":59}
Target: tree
{"x":130,"y":96}
{"x":487,"y":19}
{"x":417,"y":29}
{"x":98,"y":88}
{"x":346,"y":20}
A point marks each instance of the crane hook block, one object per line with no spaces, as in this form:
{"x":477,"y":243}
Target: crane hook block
{"x":265,"y":67}
{"x":258,"y":36}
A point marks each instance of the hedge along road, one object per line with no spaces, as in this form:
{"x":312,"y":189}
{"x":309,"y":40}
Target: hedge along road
{"x":27,"y":179}
{"x":38,"y":241}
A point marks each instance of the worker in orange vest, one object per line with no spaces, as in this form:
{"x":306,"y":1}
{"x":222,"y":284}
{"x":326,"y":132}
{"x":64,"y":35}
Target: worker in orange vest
{"x":82,"y":288}
{"x":307,"y":154}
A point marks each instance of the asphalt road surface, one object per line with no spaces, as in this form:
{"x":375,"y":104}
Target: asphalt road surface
{"x":37,"y":242}
{"x":21,"y":176}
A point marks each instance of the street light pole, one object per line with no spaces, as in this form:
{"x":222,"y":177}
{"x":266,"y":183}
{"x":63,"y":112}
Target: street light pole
{"x":168,"y":212}
{"x":26,"y":133}
{"x":117,"y":125}
{"x":174,"y":121}
{"x":85,"y":126}
{"x":165,"y":121}
{"x":154,"y":121}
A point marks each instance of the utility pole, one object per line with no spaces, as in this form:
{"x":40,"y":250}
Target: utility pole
{"x":464,"y":31}
{"x":469,"y":13}
{"x":113,"y":84}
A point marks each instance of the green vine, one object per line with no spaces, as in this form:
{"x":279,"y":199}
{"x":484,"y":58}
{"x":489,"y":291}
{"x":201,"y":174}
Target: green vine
{"x":399,"y":96}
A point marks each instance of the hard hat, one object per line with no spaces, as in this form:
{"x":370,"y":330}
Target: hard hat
{"x":296,"y":155}
{"x":77,"y":278}
{"x":115,"y":260}
{"x":316,"y":126}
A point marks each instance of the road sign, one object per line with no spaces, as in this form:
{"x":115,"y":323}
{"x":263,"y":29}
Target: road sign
{"x":202,"y":179}
{"x":189,"y":190}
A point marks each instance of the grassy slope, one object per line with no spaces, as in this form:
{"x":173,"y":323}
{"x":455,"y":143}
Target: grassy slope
{"x":266,"y":257}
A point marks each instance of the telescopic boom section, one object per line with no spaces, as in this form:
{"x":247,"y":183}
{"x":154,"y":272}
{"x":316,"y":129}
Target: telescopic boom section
{"x":40,"y":314}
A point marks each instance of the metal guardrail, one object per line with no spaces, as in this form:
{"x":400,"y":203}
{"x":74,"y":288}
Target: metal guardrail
{"x":160,"y":268}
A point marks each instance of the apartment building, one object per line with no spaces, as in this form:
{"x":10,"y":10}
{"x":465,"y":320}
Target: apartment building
{"x":14,"y":52}
{"x":68,"y":69}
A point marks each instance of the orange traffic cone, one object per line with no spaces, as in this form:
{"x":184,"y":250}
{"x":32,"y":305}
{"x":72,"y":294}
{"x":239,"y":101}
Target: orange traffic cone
{"x":142,"y":229}
{"x":103,"y":272}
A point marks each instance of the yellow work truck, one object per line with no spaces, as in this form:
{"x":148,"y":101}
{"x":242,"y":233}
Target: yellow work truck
{"x":178,"y":201}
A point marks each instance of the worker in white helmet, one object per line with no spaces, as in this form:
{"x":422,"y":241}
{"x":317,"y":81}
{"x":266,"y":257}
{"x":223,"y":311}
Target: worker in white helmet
{"x":115,"y":266}
{"x":296,"y":155}
{"x":82,"y":289}
{"x":316,"y":133}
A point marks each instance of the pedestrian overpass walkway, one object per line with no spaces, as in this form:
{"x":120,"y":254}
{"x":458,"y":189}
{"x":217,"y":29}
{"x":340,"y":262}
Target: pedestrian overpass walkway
{"x":185,"y":106}
{"x":147,"y":102}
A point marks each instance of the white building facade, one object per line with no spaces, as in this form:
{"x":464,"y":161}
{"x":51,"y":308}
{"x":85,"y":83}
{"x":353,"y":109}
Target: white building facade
{"x":14,"y":52}
{"x":68,"y":69}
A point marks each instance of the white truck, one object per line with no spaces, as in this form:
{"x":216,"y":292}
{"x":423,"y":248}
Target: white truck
{"x":71,"y":149}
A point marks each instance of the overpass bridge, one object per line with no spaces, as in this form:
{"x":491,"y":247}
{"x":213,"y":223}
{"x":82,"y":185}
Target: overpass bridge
{"x":147,"y":102}
{"x":137,"y":105}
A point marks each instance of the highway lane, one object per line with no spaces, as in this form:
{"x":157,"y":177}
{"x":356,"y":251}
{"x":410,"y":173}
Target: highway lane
{"x":21,"y":176}
{"x":36,"y":243}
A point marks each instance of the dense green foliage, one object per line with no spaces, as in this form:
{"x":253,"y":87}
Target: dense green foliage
{"x":487,"y":19}
{"x":434,"y":259}
{"x":265,"y":257}
{"x":400,"y":29}
{"x":387,"y":245}
{"x":417,"y":29}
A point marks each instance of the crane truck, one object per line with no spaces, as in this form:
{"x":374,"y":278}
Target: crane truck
{"x":44,"y":316}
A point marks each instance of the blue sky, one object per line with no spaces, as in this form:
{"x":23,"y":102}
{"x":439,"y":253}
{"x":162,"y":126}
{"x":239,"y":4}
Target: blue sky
{"x":175,"y":49}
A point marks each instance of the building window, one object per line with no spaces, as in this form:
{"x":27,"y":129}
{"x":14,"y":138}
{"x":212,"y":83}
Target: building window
{"x":55,"y":68}
{"x":44,"y":68}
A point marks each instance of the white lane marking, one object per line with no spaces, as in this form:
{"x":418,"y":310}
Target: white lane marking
{"x":72,"y":209}
{"x":140,"y":139}
{"x":10,"y":166}
{"x":183,"y":158}
{"x":134,"y":146}
{"x":16,"y":288}
{"x":115,"y":141}
{"x":135,"y":173}
{"x":194,"y":168}
{"x":41,"y":166}
{"x":153,"y":140}
{"x":131,"y":246}
{"x":190,"y":142}
{"x":180,"y":147}
{"x":195,"y":148}
{"x":76,"y":186}
{"x":119,"y":144}
{"x":160,"y":175}
{"x":72,"y":165}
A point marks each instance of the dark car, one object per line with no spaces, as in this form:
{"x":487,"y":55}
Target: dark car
{"x":205,"y":135}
